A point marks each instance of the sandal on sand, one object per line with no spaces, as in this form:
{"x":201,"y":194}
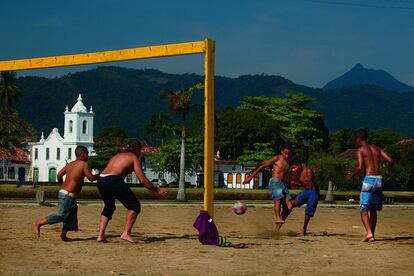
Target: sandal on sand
{"x":237,"y":245}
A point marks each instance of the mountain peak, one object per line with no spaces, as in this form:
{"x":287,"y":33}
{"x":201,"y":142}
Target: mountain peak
{"x":360,"y":75}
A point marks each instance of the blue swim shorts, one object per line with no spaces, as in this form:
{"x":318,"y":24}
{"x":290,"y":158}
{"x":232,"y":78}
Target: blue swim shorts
{"x":310,"y":197}
{"x":278,"y":189}
{"x":371,"y":193}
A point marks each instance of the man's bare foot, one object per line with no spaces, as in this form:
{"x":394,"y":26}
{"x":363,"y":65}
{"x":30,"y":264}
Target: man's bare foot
{"x":36,"y":227}
{"x":368,"y":238}
{"x":302,"y":233}
{"x":100,"y":239}
{"x":289,"y":204}
{"x":64,"y":238}
{"x":127,"y":237}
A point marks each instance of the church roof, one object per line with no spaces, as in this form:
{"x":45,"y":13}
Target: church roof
{"x":79,"y":106}
{"x":17,"y":155}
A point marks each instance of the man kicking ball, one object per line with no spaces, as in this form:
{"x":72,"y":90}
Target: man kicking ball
{"x":305,"y":177}
{"x":277,"y":187}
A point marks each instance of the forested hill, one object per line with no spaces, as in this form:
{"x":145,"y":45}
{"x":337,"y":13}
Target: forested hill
{"x":129,"y":97}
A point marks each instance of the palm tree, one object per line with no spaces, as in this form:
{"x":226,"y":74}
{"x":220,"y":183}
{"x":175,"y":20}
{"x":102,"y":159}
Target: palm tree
{"x":9,"y":93}
{"x":160,"y":124}
{"x":180,"y":102}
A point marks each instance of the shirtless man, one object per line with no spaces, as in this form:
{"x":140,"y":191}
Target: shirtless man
{"x":111,"y":185}
{"x":305,"y":177}
{"x":75,"y":172}
{"x":369,"y":158}
{"x":277,"y":187}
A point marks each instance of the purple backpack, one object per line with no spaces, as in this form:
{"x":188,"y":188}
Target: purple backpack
{"x":207,"y":230}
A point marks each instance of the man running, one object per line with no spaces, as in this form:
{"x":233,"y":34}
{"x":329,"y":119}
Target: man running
{"x":111,"y":185}
{"x":369,"y":158}
{"x":75,"y":172}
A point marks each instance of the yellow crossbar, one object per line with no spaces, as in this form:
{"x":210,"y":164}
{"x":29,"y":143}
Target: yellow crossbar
{"x":187,"y":48}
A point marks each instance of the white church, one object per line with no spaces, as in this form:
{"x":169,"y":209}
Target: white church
{"x":50,"y":155}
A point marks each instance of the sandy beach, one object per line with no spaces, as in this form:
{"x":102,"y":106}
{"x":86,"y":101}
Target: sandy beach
{"x":167,"y":244}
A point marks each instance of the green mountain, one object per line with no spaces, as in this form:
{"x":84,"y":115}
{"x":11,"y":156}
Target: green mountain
{"x":129,"y":97}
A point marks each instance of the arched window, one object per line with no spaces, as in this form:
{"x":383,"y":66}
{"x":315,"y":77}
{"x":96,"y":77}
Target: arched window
{"x":230,"y":179}
{"x":238,"y":178}
{"x":85,"y":127}
{"x":70,"y":126}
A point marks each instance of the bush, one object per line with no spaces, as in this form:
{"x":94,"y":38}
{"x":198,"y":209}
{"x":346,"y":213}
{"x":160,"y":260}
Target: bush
{"x":329,"y":168}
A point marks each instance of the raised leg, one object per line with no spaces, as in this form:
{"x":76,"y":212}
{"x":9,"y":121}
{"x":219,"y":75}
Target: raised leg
{"x":37,"y":225}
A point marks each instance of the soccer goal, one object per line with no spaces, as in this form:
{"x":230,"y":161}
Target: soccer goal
{"x":206,"y":47}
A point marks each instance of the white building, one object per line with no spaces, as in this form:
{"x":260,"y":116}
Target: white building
{"x":50,"y":155}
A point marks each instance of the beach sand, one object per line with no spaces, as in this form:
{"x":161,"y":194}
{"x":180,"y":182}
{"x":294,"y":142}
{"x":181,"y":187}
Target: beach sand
{"x":167,"y":243}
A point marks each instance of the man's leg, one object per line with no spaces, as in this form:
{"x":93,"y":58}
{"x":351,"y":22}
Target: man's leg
{"x":286,"y":212}
{"x":131,"y":217}
{"x":367,"y":224}
{"x":305,"y":225}
{"x":38,"y":224}
{"x":279,"y":219}
{"x":103,"y":223}
{"x":63,"y":236}
{"x":373,"y":221}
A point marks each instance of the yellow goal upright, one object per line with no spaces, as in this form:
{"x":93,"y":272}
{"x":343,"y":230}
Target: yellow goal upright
{"x":206,"y":47}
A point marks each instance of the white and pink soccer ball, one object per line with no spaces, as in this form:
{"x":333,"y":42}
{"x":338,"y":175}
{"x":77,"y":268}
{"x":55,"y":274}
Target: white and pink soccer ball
{"x":239,"y":208}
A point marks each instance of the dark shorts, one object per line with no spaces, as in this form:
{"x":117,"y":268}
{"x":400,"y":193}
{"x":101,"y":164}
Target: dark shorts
{"x":310,"y":197}
{"x":113,"y":187}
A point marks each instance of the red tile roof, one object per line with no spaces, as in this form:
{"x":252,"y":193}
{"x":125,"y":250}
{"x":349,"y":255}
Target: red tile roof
{"x":148,"y":150}
{"x":406,"y":141}
{"x":17,"y":156}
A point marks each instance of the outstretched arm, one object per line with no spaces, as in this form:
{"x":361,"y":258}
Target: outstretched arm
{"x":268,"y":163}
{"x":144,"y":180}
{"x":88,"y":173}
{"x":390,"y":161}
{"x":358,"y":168}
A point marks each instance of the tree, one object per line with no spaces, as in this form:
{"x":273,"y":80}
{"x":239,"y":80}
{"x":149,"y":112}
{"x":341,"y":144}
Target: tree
{"x":253,"y":158}
{"x":160,"y":124}
{"x":13,"y":130}
{"x":167,"y":160}
{"x":108,"y":142}
{"x":342,"y":140}
{"x":296,"y":121}
{"x":9,"y":93}
{"x":180,"y":102}
{"x":240,"y":129}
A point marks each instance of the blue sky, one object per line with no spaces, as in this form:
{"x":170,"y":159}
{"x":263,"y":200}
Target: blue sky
{"x":309,"y":42}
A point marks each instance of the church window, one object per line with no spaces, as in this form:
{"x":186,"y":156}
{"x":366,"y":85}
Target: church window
{"x":58,"y":154}
{"x":47,"y":153}
{"x":69,"y":153}
{"x":85,"y":127}
{"x":70,"y":126}
{"x":238,"y":178}
{"x":36,"y":154}
{"x":230,"y":178}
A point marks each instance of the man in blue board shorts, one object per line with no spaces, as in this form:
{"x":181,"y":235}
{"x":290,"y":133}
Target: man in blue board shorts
{"x":369,"y":157}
